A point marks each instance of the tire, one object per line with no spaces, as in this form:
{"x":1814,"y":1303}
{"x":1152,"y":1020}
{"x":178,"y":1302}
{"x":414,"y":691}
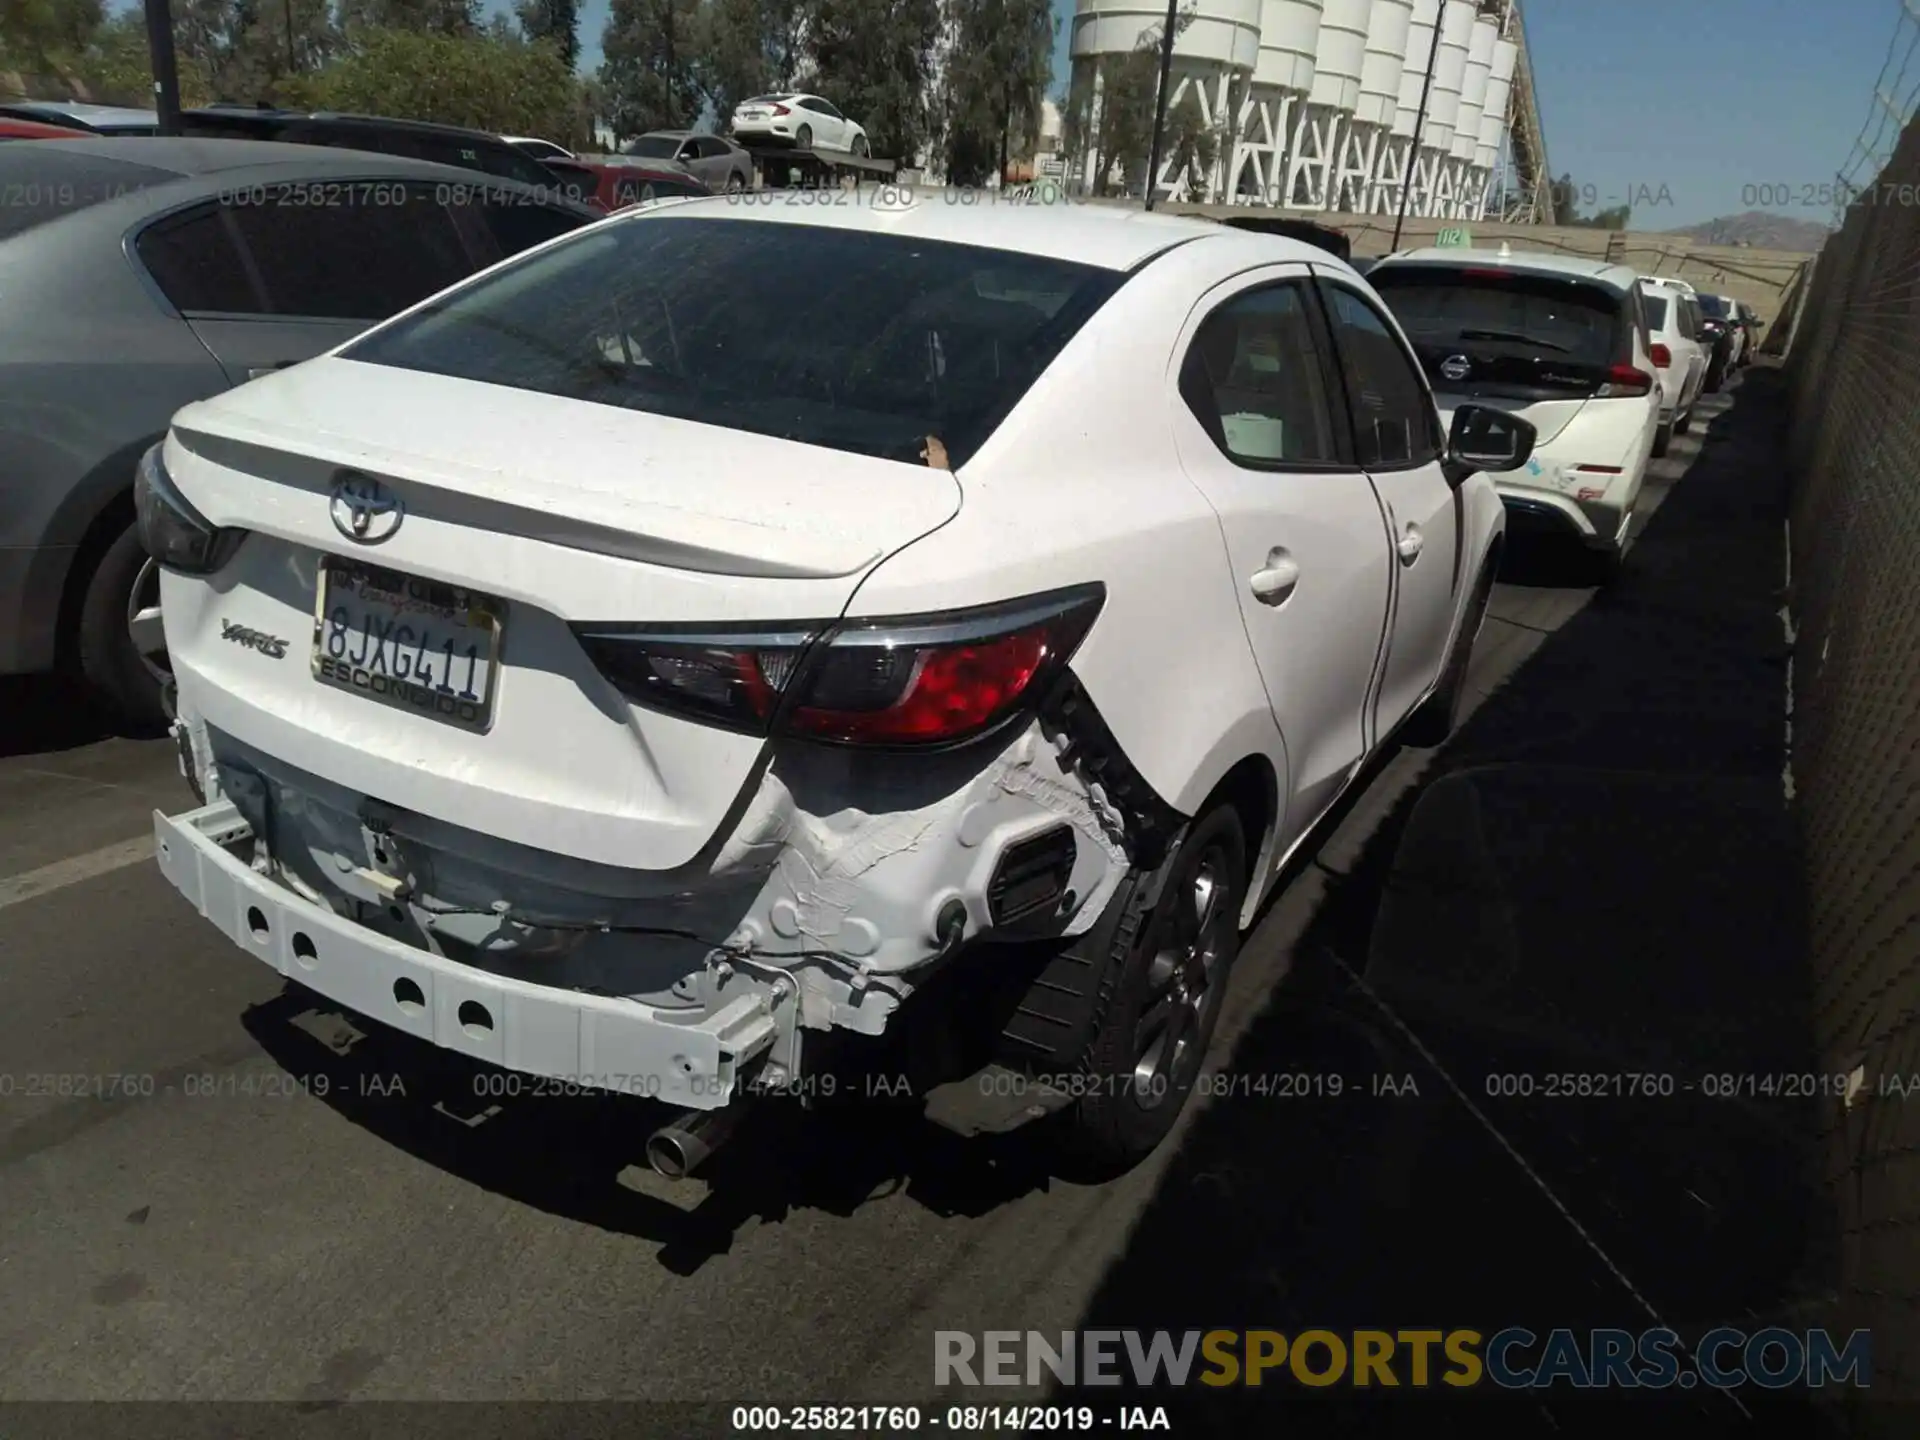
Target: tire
{"x":1162,"y":983}
{"x":862,"y":147}
{"x":1683,"y":423}
{"x":1436,"y":720}
{"x":1663,"y":440}
{"x":803,"y":138}
{"x":1716,"y":378}
{"x":104,"y":652}
{"x":736,"y":182}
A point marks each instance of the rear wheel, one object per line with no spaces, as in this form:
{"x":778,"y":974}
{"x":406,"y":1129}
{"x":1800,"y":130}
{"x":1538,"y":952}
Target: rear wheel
{"x":736,"y":182}
{"x":1663,"y":440}
{"x":120,"y":647}
{"x":803,"y":138}
{"x":861,"y":147}
{"x":1683,"y":423}
{"x":1164,"y":979}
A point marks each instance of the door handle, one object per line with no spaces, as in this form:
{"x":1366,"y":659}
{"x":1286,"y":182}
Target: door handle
{"x":1273,"y":584}
{"x":1410,"y":545}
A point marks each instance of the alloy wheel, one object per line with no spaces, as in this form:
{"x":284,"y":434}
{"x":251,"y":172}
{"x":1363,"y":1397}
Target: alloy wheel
{"x":1183,"y":983}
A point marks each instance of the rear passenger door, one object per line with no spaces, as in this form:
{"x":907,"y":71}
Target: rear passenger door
{"x":277,"y":274}
{"x":1398,"y":441}
{"x":1258,"y":433}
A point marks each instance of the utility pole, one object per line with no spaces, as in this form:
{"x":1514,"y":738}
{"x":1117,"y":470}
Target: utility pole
{"x":1160,"y":101}
{"x":166,"y":71}
{"x":291,"y":66}
{"x":1419,"y":124}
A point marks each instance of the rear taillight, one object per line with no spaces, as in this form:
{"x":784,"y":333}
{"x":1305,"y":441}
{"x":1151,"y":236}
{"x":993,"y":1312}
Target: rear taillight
{"x":916,"y":681}
{"x":1661,"y":356}
{"x":781,"y":110}
{"x":1622,"y":381}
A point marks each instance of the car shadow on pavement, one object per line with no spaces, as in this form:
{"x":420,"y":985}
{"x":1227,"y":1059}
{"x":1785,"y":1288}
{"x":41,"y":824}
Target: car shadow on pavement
{"x":42,"y":714}
{"x":1517,"y":1076}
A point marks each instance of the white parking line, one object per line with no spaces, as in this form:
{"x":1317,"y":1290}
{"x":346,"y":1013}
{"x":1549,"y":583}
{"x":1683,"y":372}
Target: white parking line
{"x":73,"y":870}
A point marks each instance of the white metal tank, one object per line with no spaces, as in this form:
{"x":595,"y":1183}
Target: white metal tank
{"x":1449,"y":75}
{"x":1388,"y":23}
{"x":1473,"y":91}
{"x":1223,"y":33}
{"x":1340,"y":55}
{"x":1289,"y":39}
{"x":1426,"y":17}
{"x":1493,"y":120}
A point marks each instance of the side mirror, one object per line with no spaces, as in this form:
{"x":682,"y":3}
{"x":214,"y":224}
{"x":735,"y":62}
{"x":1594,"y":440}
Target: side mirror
{"x":1485,"y":439}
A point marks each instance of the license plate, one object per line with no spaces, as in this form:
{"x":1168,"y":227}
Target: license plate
{"x":418,"y":644}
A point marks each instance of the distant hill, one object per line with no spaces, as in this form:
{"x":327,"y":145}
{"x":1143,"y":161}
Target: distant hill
{"x":1759,"y":229}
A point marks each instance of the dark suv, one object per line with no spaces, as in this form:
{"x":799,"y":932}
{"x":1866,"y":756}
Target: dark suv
{"x":414,"y":139}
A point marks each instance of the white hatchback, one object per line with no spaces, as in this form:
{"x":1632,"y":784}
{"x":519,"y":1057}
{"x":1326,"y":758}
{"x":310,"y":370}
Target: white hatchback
{"x":1675,"y":323}
{"x":678,"y":660}
{"x":1555,"y":339}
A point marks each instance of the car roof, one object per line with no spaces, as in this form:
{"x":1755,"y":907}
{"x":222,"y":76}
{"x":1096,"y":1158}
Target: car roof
{"x":1110,"y":237}
{"x":88,"y":114}
{"x":1525,"y":262}
{"x":1669,"y":282}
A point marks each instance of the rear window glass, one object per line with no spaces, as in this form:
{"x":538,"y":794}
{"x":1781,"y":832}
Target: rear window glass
{"x":842,"y":338}
{"x":46,"y":180}
{"x":1656,"y":309}
{"x":1503,"y":314}
{"x":655,"y":147}
{"x":1713,"y":305}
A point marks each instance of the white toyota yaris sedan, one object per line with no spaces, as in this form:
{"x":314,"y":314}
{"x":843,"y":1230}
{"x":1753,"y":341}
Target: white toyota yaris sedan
{"x":658,"y":662}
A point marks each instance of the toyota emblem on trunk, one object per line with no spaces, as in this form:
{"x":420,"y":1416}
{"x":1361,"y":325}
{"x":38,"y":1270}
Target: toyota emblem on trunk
{"x":364,"y":510}
{"x":1456,"y":367}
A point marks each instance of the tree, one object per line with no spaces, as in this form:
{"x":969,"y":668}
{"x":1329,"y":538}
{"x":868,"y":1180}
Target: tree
{"x":555,"y":21}
{"x":426,"y":17}
{"x":509,"y":88}
{"x":871,"y":59}
{"x":47,"y":37}
{"x":747,"y":47}
{"x":650,"y":75}
{"x":994,"y":83}
{"x":245,"y":49}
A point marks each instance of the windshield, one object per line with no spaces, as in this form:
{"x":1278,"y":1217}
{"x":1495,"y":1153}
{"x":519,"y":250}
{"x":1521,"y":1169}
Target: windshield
{"x":843,"y":338}
{"x":1519,"y":333}
{"x":45,"y":181}
{"x":766,"y":100}
{"x":655,"y":147}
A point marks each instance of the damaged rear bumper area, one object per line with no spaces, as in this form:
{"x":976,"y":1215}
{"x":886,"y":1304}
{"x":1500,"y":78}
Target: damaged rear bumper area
{"x":837,"y":888}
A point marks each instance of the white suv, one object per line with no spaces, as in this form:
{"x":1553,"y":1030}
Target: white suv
{"x":1674,"y":321}
{"x":1554,"y":339}
{"x":651,"y":663}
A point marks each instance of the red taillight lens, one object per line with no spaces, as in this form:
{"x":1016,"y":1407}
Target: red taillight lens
{"x":1661,"y":356}
{"x":923,"y":680}
{"x":1624,"y":380}
{"x":781,"y":110}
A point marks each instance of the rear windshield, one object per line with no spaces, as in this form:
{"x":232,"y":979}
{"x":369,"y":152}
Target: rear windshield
{"x":847,"y":339}
{"x":46,"y":180}
{"x":766,"y":100}
{"x":1518,"y":333}
{"x":1713,"y":305}
{"x":655,"y":147}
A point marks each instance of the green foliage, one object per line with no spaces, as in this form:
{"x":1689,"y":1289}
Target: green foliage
{"x":649,"y":78}
{"x":555,"y":21}
{"x":505,"y":87}
{"x":995,"y":81}
{"x":426,"y":17}
{"x":47,"y":36}
{"x":871,"y":60}
{"x":747,"y":47}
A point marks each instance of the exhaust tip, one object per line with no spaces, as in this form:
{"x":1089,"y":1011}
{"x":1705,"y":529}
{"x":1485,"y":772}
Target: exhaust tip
{"x":668,"y":1154}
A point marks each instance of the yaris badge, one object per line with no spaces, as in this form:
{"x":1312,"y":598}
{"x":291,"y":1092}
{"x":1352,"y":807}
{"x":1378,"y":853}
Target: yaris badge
{"x":1456,"y":367}
{"x":364,"y":510}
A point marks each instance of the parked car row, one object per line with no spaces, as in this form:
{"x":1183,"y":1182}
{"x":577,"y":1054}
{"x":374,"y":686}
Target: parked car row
{"x":1606,"y":363}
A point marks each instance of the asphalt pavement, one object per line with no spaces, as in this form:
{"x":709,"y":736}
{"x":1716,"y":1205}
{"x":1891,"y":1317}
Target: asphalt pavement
{"x":272,"y":1201}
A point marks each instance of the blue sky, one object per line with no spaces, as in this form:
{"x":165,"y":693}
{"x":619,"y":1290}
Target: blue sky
{"x":1703,"y":99}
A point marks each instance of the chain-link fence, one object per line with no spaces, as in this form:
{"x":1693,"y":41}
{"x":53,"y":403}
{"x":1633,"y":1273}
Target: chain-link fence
{"x":1854,"y":448}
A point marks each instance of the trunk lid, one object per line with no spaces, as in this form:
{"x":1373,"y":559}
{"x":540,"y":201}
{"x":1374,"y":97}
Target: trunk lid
{"x":565,"y":511}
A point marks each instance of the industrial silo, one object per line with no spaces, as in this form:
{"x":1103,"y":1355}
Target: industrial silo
{"x":1493,"y":120}
{"x":1217,"y":46}
{"x":1397,"y":169}
{"x":1389,"y":25}
{"x":1449,"y":76}
{"x":1339,"y":58}
{"x":1473,"y":101}
{"x":1282,"y":80}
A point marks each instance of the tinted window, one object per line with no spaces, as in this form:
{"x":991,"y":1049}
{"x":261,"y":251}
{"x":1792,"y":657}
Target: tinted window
{"x":1394,"y":422}
{"x":842,"y":338}
{"x":517,"y":225}
{"x":1713,"y":305}
{"x":43,"y":181}
{"x":193,"y":259}
{"x":711,"y":147}
{"x":1254,"y":379}
{"x":1655,"y":307}
{"x":655,"y":147}
{"x":352,"y":262}
{"x":645,"y":189}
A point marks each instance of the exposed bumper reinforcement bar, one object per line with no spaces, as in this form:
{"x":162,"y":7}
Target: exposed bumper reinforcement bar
{"x":603,"y":1041}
